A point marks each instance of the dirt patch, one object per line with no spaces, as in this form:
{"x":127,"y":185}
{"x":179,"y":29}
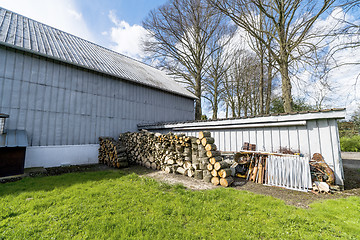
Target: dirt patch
{"x":290,"y":197}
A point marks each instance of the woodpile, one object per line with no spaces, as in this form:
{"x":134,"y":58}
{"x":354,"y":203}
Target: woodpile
{"x":172,"y":153}
{"x":320,"y":171}
{"x":112,"y":153}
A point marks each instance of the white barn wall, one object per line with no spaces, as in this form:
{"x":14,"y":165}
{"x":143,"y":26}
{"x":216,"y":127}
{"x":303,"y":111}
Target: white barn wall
{"x":59,"y":104}
{"x":52,"y":156}
{"x":65,"y":109}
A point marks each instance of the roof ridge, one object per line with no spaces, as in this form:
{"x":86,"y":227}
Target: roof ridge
{"x":96,"y":44}
{"x":56,"y":44}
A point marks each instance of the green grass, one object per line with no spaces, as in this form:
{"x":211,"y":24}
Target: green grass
{"x":114,"y":205}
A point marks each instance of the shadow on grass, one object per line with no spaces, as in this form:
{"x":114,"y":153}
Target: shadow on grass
{"x":49,"y":183}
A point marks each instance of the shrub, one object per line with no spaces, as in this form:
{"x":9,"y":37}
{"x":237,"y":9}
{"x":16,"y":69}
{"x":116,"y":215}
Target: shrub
{"x":351,"y":144}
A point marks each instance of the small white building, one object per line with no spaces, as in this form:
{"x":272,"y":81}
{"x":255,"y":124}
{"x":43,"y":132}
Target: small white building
{"x":305,"y":132}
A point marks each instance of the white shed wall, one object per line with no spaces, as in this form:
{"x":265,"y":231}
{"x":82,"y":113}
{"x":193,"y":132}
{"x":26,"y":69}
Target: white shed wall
{"x":307,"y":136}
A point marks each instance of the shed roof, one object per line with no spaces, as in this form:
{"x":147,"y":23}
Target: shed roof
{"x":14,"y":138}
{"x":22,"y":33}
{"x":294,"y":117}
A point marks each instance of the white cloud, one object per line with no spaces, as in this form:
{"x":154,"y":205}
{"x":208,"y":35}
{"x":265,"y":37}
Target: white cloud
{"x":127,"y":38}
{"x":343,"y":81}
{"x":63,"y":14}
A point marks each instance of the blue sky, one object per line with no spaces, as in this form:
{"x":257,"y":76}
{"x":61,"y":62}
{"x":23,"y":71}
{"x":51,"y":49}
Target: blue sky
{"x":96,"y":13}
{"x":116,"y":24}
{"x":112,"y":24}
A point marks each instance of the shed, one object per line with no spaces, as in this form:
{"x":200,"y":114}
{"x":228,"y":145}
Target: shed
{"x":66,"y":92}
{"x":305,"y":132}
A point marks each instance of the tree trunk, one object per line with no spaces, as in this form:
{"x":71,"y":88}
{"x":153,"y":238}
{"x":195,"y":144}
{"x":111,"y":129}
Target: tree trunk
{"x":198,"y":112}
{"x":269,"y":85}
{"x":261,"y":83}
{"x":286,"y":87}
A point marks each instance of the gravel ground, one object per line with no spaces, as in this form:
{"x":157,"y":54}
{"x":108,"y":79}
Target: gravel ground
{"x":291,"y":197}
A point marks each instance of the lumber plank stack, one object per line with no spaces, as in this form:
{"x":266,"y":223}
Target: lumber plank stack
{"x":112,"y":153}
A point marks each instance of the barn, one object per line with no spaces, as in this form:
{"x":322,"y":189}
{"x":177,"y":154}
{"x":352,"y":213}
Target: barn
{"x":65,"y":92}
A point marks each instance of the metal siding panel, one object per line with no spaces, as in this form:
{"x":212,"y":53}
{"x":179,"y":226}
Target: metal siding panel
{"x":37,"y":126}
{"x":50,"y":75}
{"x":58,"y":128}
{"x":252,"y":135}
{"x":2,"y":62}
{"x":326,"y":148}
{"x":13,"y":115}
{"x":82,"y":129}
{"x":268,"y":140}
{"x":260,"y":141}
{"x":335,"y":143}
{"x":233,"y":146}
{"x":239,"y":139}
{"x":304,"y":140}
{"x":275,"y":133}
{"x":6,"y":93}
{"x":34,"y":74}
{"x":9,"y":65}
{"x":65,"y":129}
{"x":41,"y":75}
{"x":313,"y":133}
{"x":227,"y":140}
{"x":21,"y":120}
{"x":72,"y":107}
{"x":15,"y":94}
{"x":39,"y":97}
{"x":51,"y":128}
{"x":19,"y":66}
{"x":246,"y":135}
{"x":293,"y":138}
{"x":284,"y":138}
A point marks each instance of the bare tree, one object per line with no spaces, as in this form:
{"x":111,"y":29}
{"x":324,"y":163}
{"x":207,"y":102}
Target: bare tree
{"x":218,"y":64}
{"x":292,"y":21}
{"x":180,"y":37}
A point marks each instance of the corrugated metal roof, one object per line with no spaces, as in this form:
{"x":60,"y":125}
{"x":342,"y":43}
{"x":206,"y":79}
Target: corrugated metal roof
{"x":26,"y":34}
{"x":14,"y":138}
{"x":162,"y":124}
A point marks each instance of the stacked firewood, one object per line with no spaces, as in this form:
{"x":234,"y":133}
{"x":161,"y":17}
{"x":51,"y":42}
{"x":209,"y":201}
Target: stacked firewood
{"x":220,"y":172}
{"x":168,"y":152}
{"x":112,"y":153}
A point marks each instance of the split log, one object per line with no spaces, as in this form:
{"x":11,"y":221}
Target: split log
{"x":207,"y":140}
{"x":215,"y":181}
{"x":210,"y":147}
{"x":224,"y":173}
{"x":226,"y":182}
{"x":213,"y":160}
{"x":212,"y":153}
{"x":214,"y":173}
{"x":221,"y":165}
{"x":203,"y":134}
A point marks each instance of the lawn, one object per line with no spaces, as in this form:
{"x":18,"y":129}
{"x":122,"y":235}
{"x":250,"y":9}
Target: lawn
{"x":116,"y":205}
